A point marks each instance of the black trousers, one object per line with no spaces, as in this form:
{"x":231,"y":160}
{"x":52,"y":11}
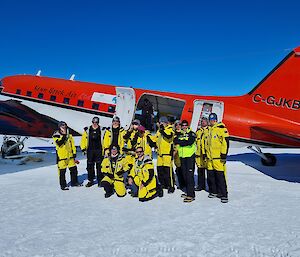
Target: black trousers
{"x":148,"y":121}
{"x":217,"y":183}
{"x":188,"y":169}
{"x":94,"y":157}
{"x":201,"y":178}
{"x":108,"y":188}
{"x":73,"y":175}
{"x":165,"y":177}
{"x":180,"y":178}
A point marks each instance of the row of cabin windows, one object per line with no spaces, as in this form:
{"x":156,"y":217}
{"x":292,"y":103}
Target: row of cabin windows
{"x":80,"y":103}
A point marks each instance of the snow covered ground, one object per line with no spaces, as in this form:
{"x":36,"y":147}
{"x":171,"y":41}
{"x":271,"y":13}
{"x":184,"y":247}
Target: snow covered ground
{"x":262,"y":217}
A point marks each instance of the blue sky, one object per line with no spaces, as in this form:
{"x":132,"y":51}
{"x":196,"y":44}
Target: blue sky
{"x":201,"y":47}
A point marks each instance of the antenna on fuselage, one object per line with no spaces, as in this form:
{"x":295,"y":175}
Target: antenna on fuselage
{"x":72,"y":77}
{"x":38,"y":73}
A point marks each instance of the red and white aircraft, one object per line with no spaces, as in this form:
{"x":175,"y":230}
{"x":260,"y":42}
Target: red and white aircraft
{"x":269,"y":115}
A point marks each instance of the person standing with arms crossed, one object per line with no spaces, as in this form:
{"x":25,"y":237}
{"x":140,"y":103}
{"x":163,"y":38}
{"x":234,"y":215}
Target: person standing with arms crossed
{"x":113,"y":136}
{"x":186,"y":148}
{"x":92,"y":146}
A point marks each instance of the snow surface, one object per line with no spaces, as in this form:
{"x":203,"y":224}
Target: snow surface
{"x":262,"y":217}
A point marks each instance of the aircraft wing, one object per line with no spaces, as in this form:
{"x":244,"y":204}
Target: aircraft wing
{"x":18,"y":119}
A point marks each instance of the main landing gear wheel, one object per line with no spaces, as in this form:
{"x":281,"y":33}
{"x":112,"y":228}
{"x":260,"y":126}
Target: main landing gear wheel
{"x":267,"y":159}
{"x":271,"y":160}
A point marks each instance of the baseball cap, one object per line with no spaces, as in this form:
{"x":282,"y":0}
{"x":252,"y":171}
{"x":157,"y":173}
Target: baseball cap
{"x":184,"y":122}
{"x":61,"y":123}
{"x":136,"y":122}
{"x":163,"y":119}
{"x":116,"y":118}
{"x":213,"y":116}
{"x":95,"y":120}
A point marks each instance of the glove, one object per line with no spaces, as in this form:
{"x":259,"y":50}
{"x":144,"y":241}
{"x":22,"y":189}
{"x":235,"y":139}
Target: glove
{"x":120,"y":173}
{"x":223,"y":158}
{"x":161,"y":127}
{"x":74,"y":155}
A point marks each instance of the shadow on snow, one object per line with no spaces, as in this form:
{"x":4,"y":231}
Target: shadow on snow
{"x":287,"y":167}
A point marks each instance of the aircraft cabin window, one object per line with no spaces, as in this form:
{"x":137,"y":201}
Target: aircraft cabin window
{"x":80,"y":103}
{"x":66,"y":100}
{"x":95,"y":106}
{"x":40,"y":96}
{"x":53,"y":98}
{"x":29,"y":93}
{"x":111,"y":109}
{"x":18,"y":91}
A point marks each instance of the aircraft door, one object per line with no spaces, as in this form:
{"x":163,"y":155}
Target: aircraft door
{"x":202,"y":108}
{"x":125,"y":105}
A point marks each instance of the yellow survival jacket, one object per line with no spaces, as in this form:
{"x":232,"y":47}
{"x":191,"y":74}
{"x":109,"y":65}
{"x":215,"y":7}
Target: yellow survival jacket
{"x":163,"y":140}
{"x":217,"y":143}
{"x":65,"y":147}
{"x":107,"y":140}
{"x":84,"y":143}
{"x":130,"y":138}
{"x":143,"y":174}
{"x":112,"y":174}
{"x":202,"y":134}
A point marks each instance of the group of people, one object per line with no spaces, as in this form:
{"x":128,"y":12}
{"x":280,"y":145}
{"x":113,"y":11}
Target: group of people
{"x":123,"y":158}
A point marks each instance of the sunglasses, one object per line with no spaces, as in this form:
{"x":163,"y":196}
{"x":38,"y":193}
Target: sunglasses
{"x":139,"y":151}
{"x":184,"y":125}
{"x":135,"y":123}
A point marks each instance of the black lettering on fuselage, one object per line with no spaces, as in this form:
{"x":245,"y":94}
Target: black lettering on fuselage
{"x":282,"y":102}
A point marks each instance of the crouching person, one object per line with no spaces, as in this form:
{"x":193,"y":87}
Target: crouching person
{"x":66,"y":154}
{"x":142,"y":179}
{"x":113,"y":168}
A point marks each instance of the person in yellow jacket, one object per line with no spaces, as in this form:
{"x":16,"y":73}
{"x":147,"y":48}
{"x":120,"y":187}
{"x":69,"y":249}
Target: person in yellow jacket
{"x":130,"y":141}
{"x":92,"y":146}
{"x":113,"y":136}
{"x":113,"y":168}
{"x":216,"y":147}
{"x":131,"y":135}
{"x":201,"y":134}
{"x":66,"y":154}
{"x":178,"y":170}
{"x":143,"y":141}
{"x":163,"y":141}
{"x":142,"y":177}
{"x":186,"y":150}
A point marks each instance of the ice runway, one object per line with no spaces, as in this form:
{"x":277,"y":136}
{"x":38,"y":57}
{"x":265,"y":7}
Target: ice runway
{"x":261,"y":218}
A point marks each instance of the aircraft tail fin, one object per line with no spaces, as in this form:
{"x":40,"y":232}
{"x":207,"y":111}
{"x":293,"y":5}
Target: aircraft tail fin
{"x":280,"y":89}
